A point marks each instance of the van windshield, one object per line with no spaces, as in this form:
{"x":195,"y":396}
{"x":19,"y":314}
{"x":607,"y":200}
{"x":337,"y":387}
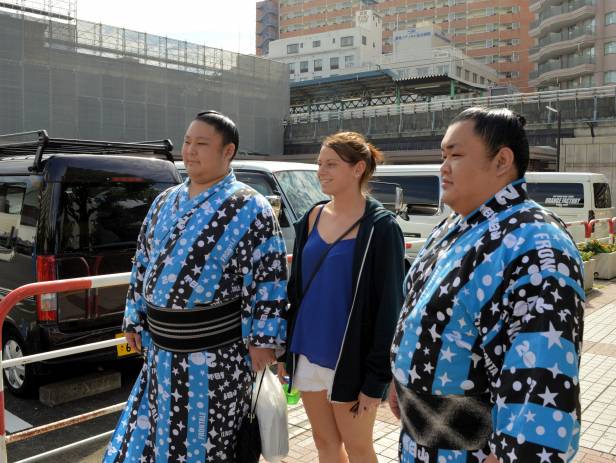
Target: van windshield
{"x":557,"y":194}
{"x":104,"y":216}
{"x":302,"y":189}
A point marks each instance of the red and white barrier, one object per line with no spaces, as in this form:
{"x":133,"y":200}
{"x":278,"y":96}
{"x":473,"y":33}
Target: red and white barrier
{"x":35,"y":289}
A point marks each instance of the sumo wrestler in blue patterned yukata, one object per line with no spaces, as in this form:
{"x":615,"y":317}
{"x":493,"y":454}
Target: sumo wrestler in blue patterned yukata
{"x":205,"y":304}
{"x":486,"y":354}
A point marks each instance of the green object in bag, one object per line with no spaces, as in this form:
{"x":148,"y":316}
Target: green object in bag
{"x":293,"y":396}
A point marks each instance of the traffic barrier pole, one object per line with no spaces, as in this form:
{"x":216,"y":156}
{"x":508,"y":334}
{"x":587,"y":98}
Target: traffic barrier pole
{"x":584,"y":223}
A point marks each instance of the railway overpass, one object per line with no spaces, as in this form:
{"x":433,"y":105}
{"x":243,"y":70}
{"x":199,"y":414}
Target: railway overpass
{"x":412,"y":132}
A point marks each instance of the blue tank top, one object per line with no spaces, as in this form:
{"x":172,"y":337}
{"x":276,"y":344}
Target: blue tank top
{"x":324,"y":310}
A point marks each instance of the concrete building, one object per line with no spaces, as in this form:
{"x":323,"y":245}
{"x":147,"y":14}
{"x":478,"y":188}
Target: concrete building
{"x":419,"y":52}
{"x":575,"y":43}
{"x":494,"y":32}
{"x":426,"y":51}
{"x":332,"y":53}
{"x":79,"y":79}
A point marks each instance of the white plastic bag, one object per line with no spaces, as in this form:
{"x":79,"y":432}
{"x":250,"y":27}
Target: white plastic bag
{"x":272,"y":415}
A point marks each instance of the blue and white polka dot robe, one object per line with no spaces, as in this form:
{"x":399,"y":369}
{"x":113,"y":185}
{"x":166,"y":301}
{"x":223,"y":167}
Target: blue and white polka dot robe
{"x":222,"y":244}
{"x":487,"y":350}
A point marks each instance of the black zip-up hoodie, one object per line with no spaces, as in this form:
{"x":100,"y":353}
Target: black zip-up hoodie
{"x":378,"y":274}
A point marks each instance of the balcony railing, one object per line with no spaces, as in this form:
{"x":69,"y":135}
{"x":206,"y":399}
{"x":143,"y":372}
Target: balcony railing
{"x":567,"y":63}
{"x":552,"y":11}
{"x":556,"y":37}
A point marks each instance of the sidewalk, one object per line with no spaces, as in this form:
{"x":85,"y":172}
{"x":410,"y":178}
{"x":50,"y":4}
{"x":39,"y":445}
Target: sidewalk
{"x":597,"y":381}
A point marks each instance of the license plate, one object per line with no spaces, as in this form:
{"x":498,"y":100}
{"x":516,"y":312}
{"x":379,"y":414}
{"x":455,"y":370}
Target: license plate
{"x":123,"y":349}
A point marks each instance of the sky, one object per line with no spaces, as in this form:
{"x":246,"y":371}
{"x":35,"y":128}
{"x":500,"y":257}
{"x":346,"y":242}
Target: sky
{"x":227,"y":24}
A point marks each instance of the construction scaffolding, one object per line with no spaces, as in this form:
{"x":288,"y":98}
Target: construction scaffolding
{"x":80,"y":79}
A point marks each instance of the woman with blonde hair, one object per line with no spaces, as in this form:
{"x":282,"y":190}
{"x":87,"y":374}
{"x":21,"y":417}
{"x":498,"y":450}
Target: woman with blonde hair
{"x":345,"y":293}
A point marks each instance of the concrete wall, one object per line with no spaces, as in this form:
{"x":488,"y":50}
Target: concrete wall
{"x":585,"y":153}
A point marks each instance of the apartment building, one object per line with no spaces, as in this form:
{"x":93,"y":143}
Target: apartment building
{"x":575,"y":43}
{"x":495,"y":32}
{"x":267,"y":25}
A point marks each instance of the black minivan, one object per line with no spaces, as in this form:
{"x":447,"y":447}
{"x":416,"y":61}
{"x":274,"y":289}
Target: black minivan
{"x":70,"y":208}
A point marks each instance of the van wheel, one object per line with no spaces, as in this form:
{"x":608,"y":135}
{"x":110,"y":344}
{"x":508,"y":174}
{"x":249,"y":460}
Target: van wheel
{"x":20,"y":380}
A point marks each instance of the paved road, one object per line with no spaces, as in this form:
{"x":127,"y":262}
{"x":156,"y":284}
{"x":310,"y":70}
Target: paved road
{"x":36,"y":414}
{"x":597,"y":379}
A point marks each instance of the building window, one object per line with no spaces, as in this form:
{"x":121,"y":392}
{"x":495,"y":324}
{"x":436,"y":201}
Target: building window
{"x":346,"y":41}
{"x":467,"y":74}
{"x":303,"y":66}
{"x":349,"y":61}
{"x":610,"y":18}
{"x":316,"y":43}
{"x":333,"y":63}
{"x":291,"y":68}
{"x":364,"y":40}
{"x":609,"y":77}
{"x":474,"y":77}
{"x":482,"y":80}
{"x":458,"y":71}
{"x":318,"y":65}
{"x":292,"y":48}
{"x":610,"y":47}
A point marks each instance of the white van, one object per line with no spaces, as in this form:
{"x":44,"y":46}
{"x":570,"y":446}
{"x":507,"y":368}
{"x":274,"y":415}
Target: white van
{"x":574,"y":196}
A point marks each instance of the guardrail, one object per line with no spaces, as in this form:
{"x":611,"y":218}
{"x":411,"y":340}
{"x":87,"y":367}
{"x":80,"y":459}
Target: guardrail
{"x":35,"y":289}
{"x":589,"y":227}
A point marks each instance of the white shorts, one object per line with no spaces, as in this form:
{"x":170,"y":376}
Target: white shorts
{"x":310,"y":377}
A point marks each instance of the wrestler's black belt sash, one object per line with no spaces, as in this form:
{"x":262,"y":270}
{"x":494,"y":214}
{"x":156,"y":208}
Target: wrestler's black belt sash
{"x":200,"y":328}
{"x":454,"y":422}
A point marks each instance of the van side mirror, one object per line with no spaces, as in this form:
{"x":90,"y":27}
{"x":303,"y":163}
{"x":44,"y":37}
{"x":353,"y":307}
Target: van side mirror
{"x":6,"y":249}
{"x":400,"y":206}
{"x":276,"y":203}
